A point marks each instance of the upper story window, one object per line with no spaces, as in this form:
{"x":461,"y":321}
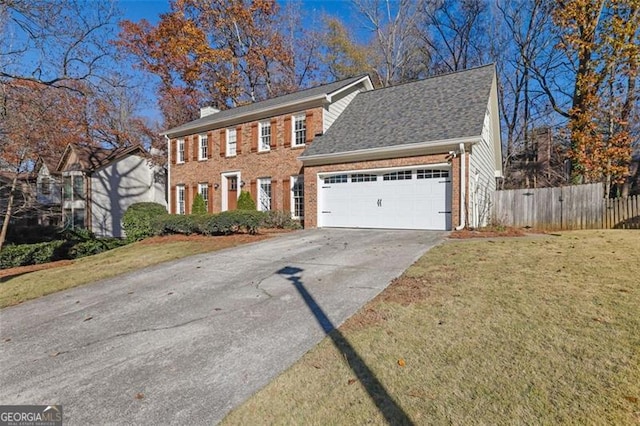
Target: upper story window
{"x":265,"y":136}
{"x":66,"y":188}
{"x":180,"y":151}
{"x":180,"y":199}
{"x":299,"y":130}
{"x":231,"y":142}
{"x":78,"y":188}
{"x":203,"y":152}
{"x":73,"y":188}
{"x":45,"y":186}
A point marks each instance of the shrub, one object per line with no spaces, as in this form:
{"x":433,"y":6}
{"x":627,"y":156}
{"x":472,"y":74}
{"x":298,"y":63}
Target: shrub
{"x":230,"y":222}
{"x":29,"y":254}
{"x":175,"y":224}
{"x":32,"y":234}
{"x":199,"y":207}
{"x":139,"y":218}
{"x":95,"y":246}
{"x":281,"y":220}
{"x":245,"y":202}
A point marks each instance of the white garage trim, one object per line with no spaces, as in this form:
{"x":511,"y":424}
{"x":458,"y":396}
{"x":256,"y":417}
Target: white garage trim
{"x":406,"y":200}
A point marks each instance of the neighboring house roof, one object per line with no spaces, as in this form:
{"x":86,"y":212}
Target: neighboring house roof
{"x":91,"y":158}
{"x":302,"y":96}
{"x":441,"y":108}
{"x":49,"y":162}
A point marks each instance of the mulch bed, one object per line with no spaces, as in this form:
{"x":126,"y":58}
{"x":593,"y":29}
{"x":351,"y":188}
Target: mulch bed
{"x":493,"y":233}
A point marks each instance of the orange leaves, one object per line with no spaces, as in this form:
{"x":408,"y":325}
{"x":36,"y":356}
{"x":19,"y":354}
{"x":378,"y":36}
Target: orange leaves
{"x":223,"y":53}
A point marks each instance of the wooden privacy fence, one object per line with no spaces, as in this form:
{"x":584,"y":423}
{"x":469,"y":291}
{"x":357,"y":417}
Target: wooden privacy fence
{"x":566,"y":207}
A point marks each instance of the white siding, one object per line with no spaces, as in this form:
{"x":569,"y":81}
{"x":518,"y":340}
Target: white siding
{"x":482,"y":182}
{"x":335,"y":108}
{"x":114,"y":188}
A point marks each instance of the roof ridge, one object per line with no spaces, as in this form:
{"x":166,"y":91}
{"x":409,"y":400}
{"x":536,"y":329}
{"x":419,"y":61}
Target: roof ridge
{"x":431,"y":77}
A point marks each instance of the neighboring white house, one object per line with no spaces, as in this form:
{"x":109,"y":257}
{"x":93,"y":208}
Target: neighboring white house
{"x":99,"y":185}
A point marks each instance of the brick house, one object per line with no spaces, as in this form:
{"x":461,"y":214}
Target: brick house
{"x":346,"y":155}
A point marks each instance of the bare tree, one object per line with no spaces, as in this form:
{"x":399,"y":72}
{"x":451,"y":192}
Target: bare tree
{"x":455,"y":33}
{"x":395,"y":44}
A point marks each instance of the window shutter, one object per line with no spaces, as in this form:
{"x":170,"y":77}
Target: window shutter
{"x":238,"y":140}
{"x":173,"y":208}
{"x":210,"y":144}
{"x":287,"y":132}
{"x":174,"y":151}
{"x":254,"y":190}
{"x":223,"y":142}
{"x":210,"y":200}
{"x":286,"y":194}
{"x":186,"y":149}
{"x":274,"y":134}
{"x":254,"y":137}
{"x":195,"y":140}
{"x":310,"y":127}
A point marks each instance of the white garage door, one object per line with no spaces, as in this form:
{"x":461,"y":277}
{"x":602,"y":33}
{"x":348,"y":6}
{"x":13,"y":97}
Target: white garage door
{"x":418,"y":198}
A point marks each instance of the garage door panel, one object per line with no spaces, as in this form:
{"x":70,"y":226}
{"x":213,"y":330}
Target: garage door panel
{"x":402,"y":204}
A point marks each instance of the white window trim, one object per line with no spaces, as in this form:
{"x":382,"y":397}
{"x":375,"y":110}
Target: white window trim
{"x":293,"y":129}
{"x":204,"y":187}
{"x":259,"y":195}
{"x":180,"y":152}
{"x":227,"y":150}
{"x":224,"y":188}
{"x":200,"y":138}
{"x":294,"y":180}
{"x":180,"y":210}
{"x":261,"y":125}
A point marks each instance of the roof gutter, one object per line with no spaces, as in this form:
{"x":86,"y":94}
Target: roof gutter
{"x":399,"y":150}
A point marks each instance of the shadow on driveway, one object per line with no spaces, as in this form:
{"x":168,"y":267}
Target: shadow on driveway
{"x":392,"y":412}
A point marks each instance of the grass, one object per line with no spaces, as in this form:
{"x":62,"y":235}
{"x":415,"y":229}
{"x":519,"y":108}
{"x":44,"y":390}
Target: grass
{"x":19,"y":288}
{"x":540,"y":330}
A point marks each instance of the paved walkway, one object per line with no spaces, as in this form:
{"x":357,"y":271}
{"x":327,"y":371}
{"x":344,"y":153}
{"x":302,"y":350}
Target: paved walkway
{"x":185,"y":342}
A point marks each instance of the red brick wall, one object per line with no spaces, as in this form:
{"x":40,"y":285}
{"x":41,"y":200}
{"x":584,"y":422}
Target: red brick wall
{"x":311,"y":181}
{"x":280,"y":163}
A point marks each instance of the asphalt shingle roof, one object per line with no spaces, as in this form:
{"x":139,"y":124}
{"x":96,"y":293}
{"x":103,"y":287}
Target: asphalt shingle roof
{"x":269,"y":103}
{"x":439,"y":108}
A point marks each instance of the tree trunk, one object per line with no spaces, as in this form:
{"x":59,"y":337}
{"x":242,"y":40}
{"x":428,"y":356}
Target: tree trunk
{"x":7,"y":215}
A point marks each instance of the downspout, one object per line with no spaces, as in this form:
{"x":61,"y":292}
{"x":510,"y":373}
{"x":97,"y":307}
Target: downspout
{"x":168,"y":183}
{"x":463,"y":191}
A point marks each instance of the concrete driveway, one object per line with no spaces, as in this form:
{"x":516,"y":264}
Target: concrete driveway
{"x":185,"y":342}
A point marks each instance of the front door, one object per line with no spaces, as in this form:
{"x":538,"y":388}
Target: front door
{"x":232,"y":192}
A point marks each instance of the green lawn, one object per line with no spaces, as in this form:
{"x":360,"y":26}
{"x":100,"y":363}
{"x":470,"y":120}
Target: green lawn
{"x":536,"y":330}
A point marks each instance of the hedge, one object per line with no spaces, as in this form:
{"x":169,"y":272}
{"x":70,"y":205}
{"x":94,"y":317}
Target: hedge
{"x":30,"y":254}
{"x":76,"y":243}
{"x":224,"y":223}
{"x":137,"y":221}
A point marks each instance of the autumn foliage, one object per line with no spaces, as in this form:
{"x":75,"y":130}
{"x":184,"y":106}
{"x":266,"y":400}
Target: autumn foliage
{"x":222,"y":53}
